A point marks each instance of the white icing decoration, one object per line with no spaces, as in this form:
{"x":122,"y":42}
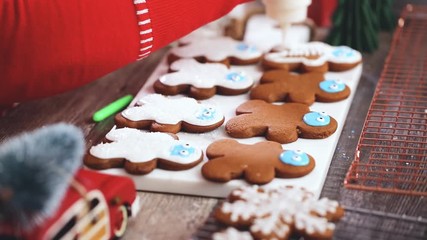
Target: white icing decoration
{"x":311,"y":224}
{"x":204,"y":75}
{"x":167,"y":110}
{"x":216,"y":49}
{"x":137,"y":146}
{"x":239,"y":209}
{"x":232,"y":234}
{"x":271,"y":224}
{"x":251,"y":193}
{"x":275,"y":210}
{"x":298,"y":53}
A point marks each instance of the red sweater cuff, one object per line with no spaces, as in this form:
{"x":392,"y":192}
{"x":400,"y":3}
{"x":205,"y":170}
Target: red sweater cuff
{"x":185,"y":16}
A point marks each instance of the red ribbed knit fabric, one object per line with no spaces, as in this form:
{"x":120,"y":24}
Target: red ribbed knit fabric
{"x":51,"y":46}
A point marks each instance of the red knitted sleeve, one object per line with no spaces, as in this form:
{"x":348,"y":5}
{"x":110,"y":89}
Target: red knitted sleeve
{"x":51,"y":46}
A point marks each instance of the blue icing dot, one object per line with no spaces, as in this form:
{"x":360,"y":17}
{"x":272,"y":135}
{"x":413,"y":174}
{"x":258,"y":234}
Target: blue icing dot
{"x":316,"y":119}
{"x":332,"y":86}
{"x":343,"y":52}
{"x":245,"y":47}
{"x":295,"y":158}
{"x":236,"y":77}
{"x":182,"y":150}
{"x":207,"y":114}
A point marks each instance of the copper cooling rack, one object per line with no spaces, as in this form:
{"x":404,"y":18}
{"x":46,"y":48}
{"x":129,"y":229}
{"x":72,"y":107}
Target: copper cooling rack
{"x":391,"y":155}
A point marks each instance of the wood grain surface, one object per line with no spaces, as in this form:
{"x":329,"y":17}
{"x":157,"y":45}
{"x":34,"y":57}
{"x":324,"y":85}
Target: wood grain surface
{"x":370,"y":215}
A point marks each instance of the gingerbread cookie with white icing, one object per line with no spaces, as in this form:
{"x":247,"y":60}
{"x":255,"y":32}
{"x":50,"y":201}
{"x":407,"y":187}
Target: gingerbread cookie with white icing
{"x":313,"y":57}
{"x":258,"y":163}
{"x":281,"y":85}
{"x":223,"y":50}
{"x":202,"y":80}
{"x":141,"y":152}
{"x":280,"y":213}
{"x":159,"y":113}
{"x":280,"y":123}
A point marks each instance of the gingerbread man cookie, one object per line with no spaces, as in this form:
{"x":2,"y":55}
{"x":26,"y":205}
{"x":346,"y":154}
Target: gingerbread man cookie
{"x":280,"y":123}
{"x":313,"y":56}
{"x":141,"y":152}
{"x":259,"y":163}
{"x":279,"y":213}
{"x":202,"y":80}
{"x":162,"y":114}
{"x":220,"y":49}
{"x":281,"y":85}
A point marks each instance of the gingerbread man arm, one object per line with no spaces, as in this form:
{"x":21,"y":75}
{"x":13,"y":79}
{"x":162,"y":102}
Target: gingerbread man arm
{"x":276,"y":133}
{"x":270,"y":92}
{"x":245,"y":125}
{"x":301,"y":97}
{"x":221,"y":148}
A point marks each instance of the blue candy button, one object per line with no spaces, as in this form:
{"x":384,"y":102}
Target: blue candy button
{"x":316,"y":119}
{"x":332,"y":86}
{"x":295,"y":158}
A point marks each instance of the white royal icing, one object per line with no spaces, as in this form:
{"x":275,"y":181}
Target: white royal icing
{"x":271,"y":224}
{"x":167,"y":110}
{"x":323,"y":51}
{"x":232,"y":234}
{"x":217,"y":49}
{"x":310,"y":224}
{"x":137,"y":146}
{"x":281,"y":208}
{"x":205,"y":75}
{"x":239,"y":209}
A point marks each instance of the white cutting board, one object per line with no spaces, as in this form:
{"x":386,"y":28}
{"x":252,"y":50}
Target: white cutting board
{"x":191,"y":181}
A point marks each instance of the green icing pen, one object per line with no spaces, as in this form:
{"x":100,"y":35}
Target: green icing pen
{"x":112,"y":108}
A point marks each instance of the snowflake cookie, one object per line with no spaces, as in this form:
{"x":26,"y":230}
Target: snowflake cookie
{"x":259,"y":163}
{"x":141,"y":152}
{"x":280,"y":123}
{"x":202,"y":80}
{"x":283,"y":86}
{"x":313,"y":56}
{"x":223,"y":50}
{"x":163,"y":114}
{"x":279,"y":213}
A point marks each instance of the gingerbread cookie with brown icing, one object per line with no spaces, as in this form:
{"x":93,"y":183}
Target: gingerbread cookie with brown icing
{"x":259,"y":163}
{"x":280,"y":123}
{"x":283,"y":86}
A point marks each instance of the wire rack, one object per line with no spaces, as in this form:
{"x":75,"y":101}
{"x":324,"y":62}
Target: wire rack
{"x":391,"y":155}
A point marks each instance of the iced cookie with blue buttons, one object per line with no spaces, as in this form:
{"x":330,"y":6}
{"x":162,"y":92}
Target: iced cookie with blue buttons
{"x":202,"y":80}
{"x":159,"y":113}
{"x":280,"y":123}
{"x":313,"y":57}
{"x":223,"y":50}
{"x":258,"y":163}
{"x":141,"y":152}
{"x":284,"y":86}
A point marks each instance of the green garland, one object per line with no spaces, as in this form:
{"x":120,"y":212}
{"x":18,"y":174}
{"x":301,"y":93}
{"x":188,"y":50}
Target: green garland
{"x":356,"y":23}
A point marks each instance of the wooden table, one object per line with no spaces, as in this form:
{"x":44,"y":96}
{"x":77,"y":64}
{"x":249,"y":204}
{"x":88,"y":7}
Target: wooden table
{"x":370,"y":215}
